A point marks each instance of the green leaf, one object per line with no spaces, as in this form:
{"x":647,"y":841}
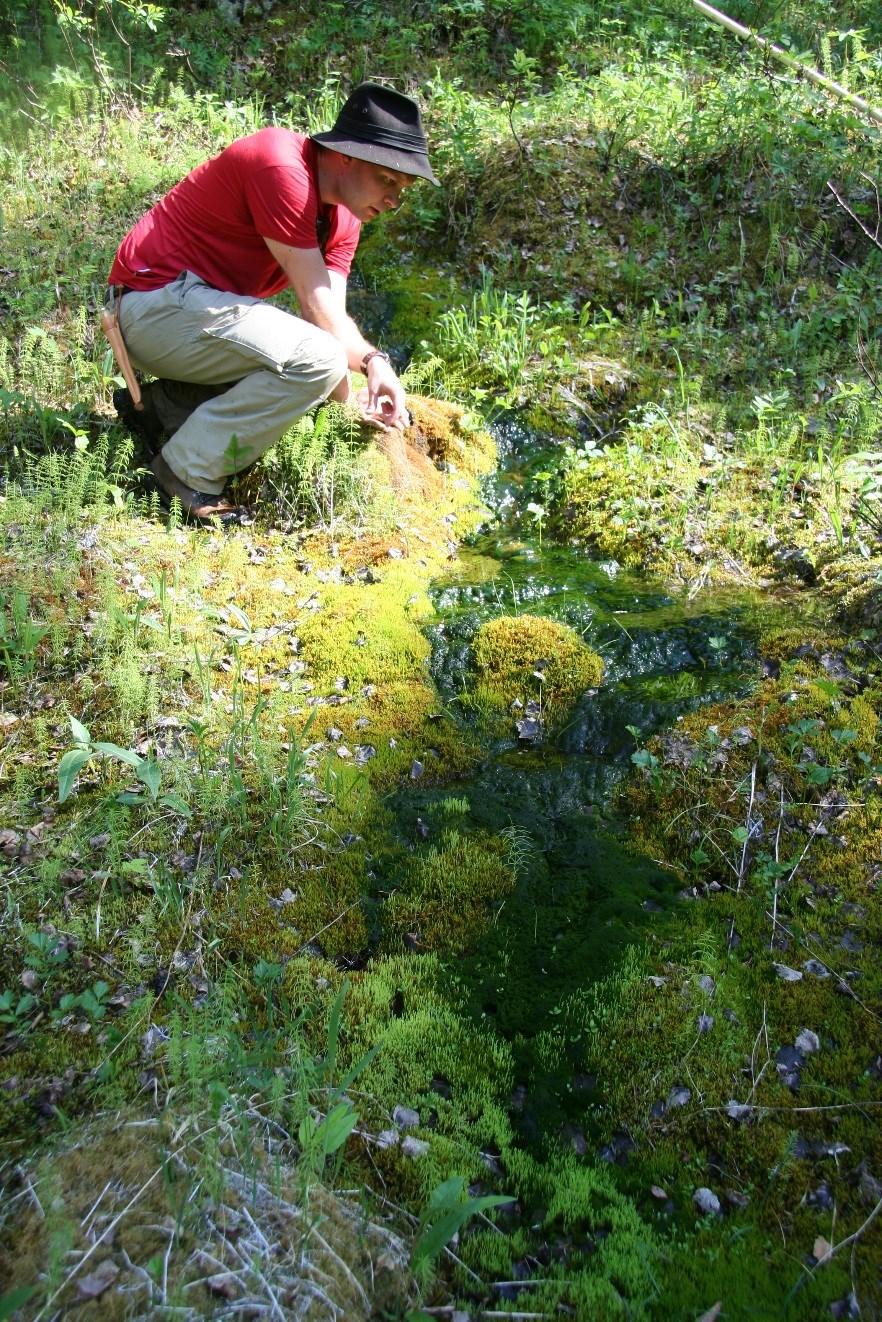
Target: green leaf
{"x":69,"y":768}
{"x":444,"y":1214}
{"x":78,"y":730}
{"x":150,"y":774}
{"x":10,"y":1303}
{"x":177,"y":804}
{"x":127,"y":755}
{"x":336,"y":1127}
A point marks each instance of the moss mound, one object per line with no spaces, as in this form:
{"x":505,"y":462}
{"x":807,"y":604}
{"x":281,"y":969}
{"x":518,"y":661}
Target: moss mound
{"x":124,"y":1218}
{"x":522,"y":658}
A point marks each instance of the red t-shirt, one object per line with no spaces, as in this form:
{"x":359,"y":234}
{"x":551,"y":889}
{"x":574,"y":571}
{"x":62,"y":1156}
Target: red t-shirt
{"x":214,"y":221}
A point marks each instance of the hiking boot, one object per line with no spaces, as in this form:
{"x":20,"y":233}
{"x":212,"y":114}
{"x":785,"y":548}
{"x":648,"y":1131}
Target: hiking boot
{"x":144,"y":422}
{"x":200,"y":505}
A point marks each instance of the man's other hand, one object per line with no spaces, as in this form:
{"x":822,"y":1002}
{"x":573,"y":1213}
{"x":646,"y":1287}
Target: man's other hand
{"x":382,"y":416}
{"x":384,"y":400}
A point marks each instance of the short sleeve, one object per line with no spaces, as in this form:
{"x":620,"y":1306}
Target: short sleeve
{"x":283,"y":203}
{"x":342,"y":241}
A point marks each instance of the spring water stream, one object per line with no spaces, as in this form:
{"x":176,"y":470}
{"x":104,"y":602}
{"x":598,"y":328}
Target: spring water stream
{"x":582,"y":897}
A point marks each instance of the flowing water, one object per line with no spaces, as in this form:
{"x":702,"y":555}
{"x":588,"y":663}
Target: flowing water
{"x":582,"y":897}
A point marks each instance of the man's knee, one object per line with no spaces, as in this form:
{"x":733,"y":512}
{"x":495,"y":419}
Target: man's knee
{"x":324,"y":364}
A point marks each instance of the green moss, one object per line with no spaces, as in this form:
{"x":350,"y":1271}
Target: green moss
{"x":524,"y":657}
{"x":442,"y":899}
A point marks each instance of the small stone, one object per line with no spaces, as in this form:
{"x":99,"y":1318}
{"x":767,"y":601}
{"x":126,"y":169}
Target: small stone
{"x":678,"y":1097}
{"x":574,"y":1137}
{"x":789,"y":1058}
{"x":738,"y":1110}
{"x":334,"y":734}
{"x":405,"y":1118}
{"x":9,"y":841}
{"x":153,"y":1038}
{"x":364,"y":753}
{"x":394,"y":553}
{"x":658,"y":1192}
{"x":29,"y":980}
{"x":808,"y":1042}
{"x":342,"y":751}
{"x":388,"y":1138}
{"x":93,"y":1285}
{"x":707,"y":984}
{"x":529,"y":728}
{"x":416,"y":769}
{"x":821,"y":1249}
{"x":706,"y":1201}
{"x":787,"y":973}
{"x":736,"y":1199}
{"x":414,"y":1147}
{"x":705,"y":1023}
{"x":816,"y":968}
{"x":870,"y":1187}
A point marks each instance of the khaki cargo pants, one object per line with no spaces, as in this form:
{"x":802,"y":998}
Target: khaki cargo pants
{"x":281,"y":367}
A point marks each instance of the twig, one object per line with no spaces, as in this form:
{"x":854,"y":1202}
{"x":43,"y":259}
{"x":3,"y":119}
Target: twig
{"x":31,"y":1191}
{"x":742,"y":867}
{"x":777,"y":878}
{"x":762,"y":1032}
{"x":874,"y":238}
{"x":93,"y":1209}
{"x":850,"y":1239}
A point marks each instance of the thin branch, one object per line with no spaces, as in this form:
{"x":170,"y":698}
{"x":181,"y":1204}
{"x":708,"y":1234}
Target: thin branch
{"x":874,"y":238}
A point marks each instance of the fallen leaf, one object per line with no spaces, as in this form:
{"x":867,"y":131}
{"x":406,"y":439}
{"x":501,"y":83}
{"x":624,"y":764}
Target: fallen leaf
{"x":822,"y":1248}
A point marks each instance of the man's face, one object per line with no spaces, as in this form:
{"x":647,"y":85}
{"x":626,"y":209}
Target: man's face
{"x":368,"y":190}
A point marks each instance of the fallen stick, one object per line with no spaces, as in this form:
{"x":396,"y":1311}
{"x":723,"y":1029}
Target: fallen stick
{"x":805,"y":70}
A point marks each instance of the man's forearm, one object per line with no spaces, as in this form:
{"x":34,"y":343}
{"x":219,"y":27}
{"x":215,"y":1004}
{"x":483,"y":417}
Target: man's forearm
{"x":337,"y":321}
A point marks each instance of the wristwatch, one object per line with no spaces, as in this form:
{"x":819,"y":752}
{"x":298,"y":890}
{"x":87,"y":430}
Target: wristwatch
{"x":374,"y":353}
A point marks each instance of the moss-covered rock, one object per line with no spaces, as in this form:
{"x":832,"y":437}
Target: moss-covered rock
{"x":519,"y":658}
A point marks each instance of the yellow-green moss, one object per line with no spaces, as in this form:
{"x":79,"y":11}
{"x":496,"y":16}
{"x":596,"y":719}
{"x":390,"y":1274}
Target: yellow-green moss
{"x":523,"y":657}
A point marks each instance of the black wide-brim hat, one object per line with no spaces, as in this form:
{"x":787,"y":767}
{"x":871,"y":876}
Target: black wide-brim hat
{"x":383,"y":126}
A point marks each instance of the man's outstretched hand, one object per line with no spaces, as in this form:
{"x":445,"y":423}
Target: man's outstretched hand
{"x":382,"y":402}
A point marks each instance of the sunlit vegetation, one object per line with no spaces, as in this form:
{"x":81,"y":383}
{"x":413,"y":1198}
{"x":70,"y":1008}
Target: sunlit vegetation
{"x":371,"y":948}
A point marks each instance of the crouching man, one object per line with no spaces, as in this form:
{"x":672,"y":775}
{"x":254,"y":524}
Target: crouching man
{"x":274,"y":209}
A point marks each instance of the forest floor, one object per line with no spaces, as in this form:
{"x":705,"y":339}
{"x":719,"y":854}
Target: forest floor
{"x":453,"y":891}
